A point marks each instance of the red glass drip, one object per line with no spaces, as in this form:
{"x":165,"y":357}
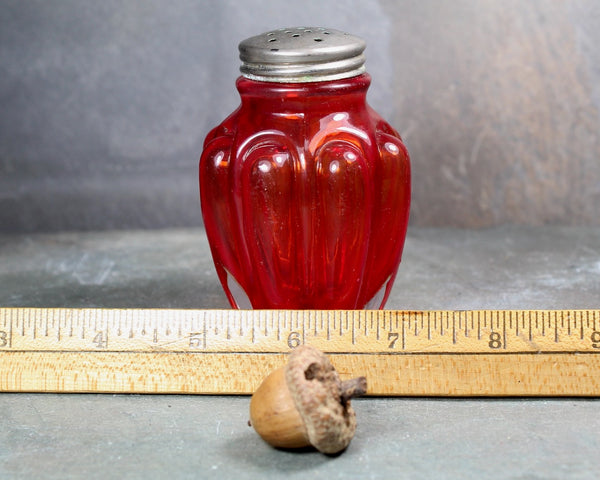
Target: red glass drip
{"x":305,"y":195}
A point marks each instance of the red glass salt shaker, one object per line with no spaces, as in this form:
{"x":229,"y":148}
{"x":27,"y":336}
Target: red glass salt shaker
{"x":305,"y":190}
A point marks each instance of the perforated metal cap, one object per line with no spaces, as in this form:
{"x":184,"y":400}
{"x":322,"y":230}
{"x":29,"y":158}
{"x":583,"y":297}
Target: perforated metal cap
{"x":302,"y":54}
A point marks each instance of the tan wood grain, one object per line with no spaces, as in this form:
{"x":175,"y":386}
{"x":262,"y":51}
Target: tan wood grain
{"x":402,"y":375}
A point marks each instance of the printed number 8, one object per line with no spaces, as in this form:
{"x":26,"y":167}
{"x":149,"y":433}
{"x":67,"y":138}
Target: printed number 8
{"x":495,"y":340}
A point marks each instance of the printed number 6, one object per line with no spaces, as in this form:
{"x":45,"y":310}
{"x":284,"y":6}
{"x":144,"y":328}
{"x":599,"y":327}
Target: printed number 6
{"x":293,"y":340}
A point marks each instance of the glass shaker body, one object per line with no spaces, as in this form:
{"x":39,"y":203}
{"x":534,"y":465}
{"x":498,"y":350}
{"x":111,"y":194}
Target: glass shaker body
{"x":305,"y":194}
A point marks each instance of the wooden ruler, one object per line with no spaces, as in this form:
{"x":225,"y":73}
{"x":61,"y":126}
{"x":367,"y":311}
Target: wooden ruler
{"x":448,"y":353}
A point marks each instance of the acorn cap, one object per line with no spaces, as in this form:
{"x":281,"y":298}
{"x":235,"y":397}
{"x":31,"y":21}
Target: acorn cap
{"x":322,"y":400}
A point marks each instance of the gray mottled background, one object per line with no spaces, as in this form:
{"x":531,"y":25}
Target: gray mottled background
{"x":104,"y":105}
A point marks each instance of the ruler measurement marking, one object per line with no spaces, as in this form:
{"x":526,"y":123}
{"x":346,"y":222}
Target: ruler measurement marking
{"x":428,"y":326}
{"x":131,"y":318}
{"x":332,"y":321}
{"x":504,"y":338}
{"x":417,"y":326}
{"x":573,"y":331}
{"x":303,"y":331}
{"x":442,"y":324}
{"x":587,"y":319}
{"x":403,"y":332}
{"x":21,"y":320}
{"x":453,"y":329}
{"x":205,"y":333}
{"x":143,"y":332}
{"x":228,"y":328}
{"x":216,"y":324}
{"x":83,"y":325}
{"x":278,"y":328}
{"x":516,"y":322}
{"x":10,"y":329}
{"x":543,"y":326}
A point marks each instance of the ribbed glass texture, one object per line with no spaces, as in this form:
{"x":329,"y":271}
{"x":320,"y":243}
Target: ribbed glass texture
{"x":305,"y":195}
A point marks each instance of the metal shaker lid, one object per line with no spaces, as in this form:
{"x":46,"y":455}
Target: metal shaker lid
{"x":302,"y":54}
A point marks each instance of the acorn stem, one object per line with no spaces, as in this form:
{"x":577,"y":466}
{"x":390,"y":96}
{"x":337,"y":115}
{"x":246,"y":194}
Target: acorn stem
{"x":354,"y":387}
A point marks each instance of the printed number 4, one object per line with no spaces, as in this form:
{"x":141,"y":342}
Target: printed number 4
{"x":99,"y":340}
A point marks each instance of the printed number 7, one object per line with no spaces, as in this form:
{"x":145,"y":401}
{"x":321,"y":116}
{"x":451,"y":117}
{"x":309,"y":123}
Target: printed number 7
{"x":392,"y":338}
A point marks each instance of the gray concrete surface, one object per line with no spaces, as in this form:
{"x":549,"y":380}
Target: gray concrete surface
{"x":189,"y":437}
{"x":51,"y":436}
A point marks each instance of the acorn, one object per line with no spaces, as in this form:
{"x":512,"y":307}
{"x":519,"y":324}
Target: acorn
{"x":305,"y":403}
